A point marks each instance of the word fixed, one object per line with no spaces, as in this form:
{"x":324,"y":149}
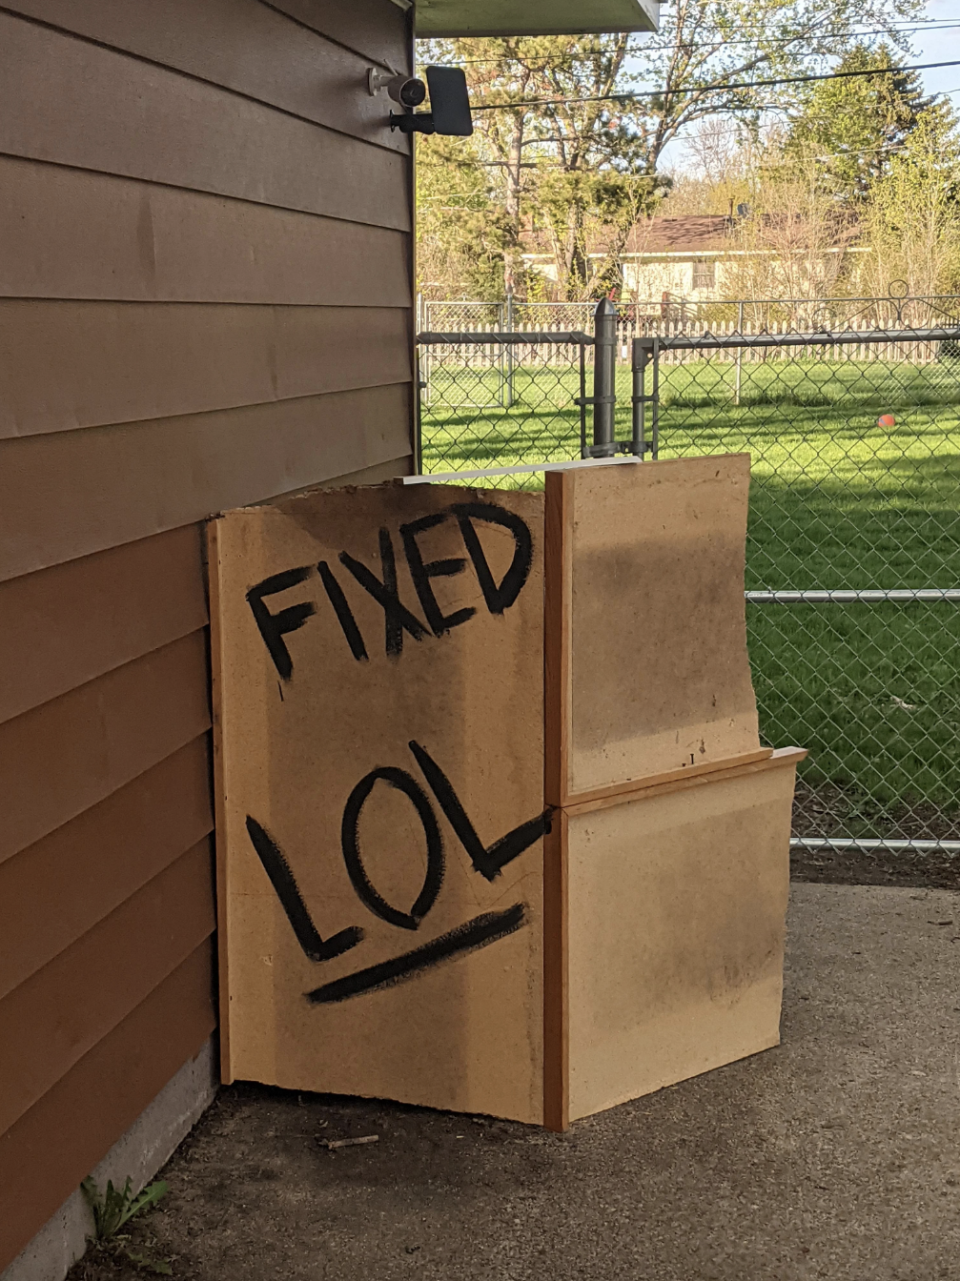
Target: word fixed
{"x":487,"y":861}
{"x":399,"y":619}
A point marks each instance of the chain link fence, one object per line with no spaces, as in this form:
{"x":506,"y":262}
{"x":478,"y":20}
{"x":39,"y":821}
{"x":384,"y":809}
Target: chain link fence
{"x":499,"y":399}
{"x":853,"y":593}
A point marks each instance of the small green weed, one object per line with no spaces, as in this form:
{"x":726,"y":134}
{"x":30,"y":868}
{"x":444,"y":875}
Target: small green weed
{"x":114,"y":1208}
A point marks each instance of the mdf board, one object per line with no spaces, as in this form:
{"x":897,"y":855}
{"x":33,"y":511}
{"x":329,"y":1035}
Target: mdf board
{"x":654,"y":674}
{"x":676,"y":924}
{"x":402,"y":677}
{"x":378,"y":684}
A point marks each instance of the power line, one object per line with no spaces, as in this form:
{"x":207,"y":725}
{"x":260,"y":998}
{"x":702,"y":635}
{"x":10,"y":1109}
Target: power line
{"x":937,"y":25}
{"x":721,"y":88}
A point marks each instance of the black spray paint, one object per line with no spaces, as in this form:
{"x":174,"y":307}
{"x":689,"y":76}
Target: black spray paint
{"x":350,"y":845}
{"x":273,"y":627}
{"x":398,"y":619}
{"x":288,"y":892}
{"x":421,"y":572}
{"x":474,"y":934}
{"x":498,"y":598}
{"x":488,"y":861}
{"x":343,"y":612}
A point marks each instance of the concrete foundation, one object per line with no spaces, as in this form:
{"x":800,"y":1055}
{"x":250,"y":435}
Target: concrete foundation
{"x":138,"y":1155}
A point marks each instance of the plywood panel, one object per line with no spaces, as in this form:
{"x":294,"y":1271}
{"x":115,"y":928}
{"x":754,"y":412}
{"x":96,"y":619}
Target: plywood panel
{"x":59,"y":1141}
{"x":676,"y":931}
{"x":69,"y":233}
{"x":429,"y":742}
{"x":55,"y":891}
{"x":659,"y":673}
{"x":60,"y":1013}
{"x":74,"y":493}
{"x":68,"y":365}
{"x":69,"y":624}
{"x":67,"y":755}
{"x":74,"y":103}
{"x":375,"y":28}
{"x":243,"y":45}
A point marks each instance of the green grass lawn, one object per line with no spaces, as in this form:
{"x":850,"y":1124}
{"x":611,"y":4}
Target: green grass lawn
{"x":836,"y":501}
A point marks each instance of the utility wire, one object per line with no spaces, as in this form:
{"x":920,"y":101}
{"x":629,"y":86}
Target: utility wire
{"x":721,"y":88}
{"x":712,"y":44}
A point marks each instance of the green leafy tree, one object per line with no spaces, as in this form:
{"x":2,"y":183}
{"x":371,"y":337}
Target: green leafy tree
{"x":913,"y":217}
{"x":854,"y":127}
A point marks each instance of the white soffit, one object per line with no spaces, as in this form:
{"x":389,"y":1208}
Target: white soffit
{"x":533,"y":17}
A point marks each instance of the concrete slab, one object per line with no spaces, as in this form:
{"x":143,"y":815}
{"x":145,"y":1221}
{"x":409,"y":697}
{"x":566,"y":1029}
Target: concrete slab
{"x":836,"y":1155}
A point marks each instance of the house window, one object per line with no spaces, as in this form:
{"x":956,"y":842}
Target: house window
{"x":704,"y":275}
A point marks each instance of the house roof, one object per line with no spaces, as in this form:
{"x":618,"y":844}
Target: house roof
{"x":533,"y":17}
{"x":693,"y":234}
{"x":709,"y":235}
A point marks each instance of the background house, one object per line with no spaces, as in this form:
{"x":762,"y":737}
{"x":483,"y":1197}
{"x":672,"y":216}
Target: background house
{"x":205,"y":300}
{"x":701,"y":258}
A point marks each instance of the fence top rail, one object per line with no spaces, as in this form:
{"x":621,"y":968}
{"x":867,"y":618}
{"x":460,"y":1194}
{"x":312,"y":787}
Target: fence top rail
{"x":812,"y":338}
{"x":486,"y":337}
{"x":894,"y":300}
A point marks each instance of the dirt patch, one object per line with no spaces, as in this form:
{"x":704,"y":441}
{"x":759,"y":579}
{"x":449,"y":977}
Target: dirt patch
{"x":828,"y":810}
{"x":934,"y":870}
{"x":258,"y":1146}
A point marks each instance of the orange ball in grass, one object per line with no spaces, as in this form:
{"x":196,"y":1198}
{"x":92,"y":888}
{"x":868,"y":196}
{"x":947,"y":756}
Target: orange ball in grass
{"x":886,"y":420}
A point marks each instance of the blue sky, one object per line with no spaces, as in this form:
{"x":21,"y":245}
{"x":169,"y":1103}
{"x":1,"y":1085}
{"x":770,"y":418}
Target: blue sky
{"x":941,"y":46}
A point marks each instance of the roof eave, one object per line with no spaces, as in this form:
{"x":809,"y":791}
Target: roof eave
{"x":443,"y":18}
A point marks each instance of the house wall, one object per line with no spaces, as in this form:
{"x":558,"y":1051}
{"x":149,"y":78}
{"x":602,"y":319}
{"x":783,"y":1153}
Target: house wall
{"x":205,"y":291}
{"x":650,"y":281}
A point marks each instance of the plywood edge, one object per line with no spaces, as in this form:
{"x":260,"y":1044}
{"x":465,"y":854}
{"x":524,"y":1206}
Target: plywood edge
{"x":219,"y":793}
{"x":782,"y":756}
{"x":668,"y":776}
{"x":556,"y":1024}
{"x":557,"y":556}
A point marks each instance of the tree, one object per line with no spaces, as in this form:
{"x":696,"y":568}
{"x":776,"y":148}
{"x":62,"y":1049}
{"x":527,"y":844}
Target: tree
{"x":581,"y":154}
{"x":463,"y":230}
{"x":704,"y":46}
{"x":913,"y":217}
{"x":558,"y":140}
{"x":854,"y":126}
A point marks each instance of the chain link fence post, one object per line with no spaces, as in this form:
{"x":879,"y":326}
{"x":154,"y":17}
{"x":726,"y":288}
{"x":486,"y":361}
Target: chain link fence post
{"x":509,"y":397}
{"x":604,"y":379}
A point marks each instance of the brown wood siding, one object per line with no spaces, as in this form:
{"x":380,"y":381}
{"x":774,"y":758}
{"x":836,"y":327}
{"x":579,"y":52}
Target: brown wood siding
{"x":78,"y":1120}
{"x":68,"y":624}
{"x":104,"y":363}
{"x":73,"y":103}
{"x":78,"y":492}
{"x":69,"y":233}
{"x":205,"y":301}
{"x":242,"y":45}
{"x":61,"y":758}
{"x":55,"y":891}
{"x":368,"y":26}
{"x":91,"y":987}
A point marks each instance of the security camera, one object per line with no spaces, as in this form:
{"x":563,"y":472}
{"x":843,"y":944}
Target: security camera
{"x":409,"y":92}
{"x":406,"y":90}
{"x":449,"y":102}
